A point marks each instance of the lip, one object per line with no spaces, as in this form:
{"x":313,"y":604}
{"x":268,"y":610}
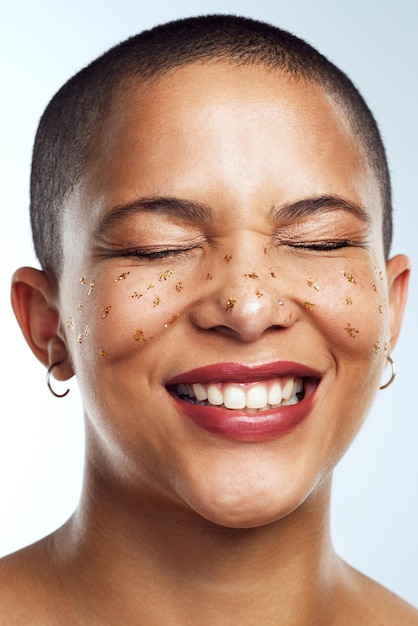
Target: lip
{"x":239,"y":373}
{"x":242,"y":426}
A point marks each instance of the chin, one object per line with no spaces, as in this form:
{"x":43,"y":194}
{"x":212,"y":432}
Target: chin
{"x":247,"y":510}
{"x":251,"y":486}
{"x":243,"y":518}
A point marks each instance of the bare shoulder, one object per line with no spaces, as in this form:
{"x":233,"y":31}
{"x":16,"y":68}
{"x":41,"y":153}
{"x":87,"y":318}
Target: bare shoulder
{"x":26,"y":587}
{"x":373,"y":605}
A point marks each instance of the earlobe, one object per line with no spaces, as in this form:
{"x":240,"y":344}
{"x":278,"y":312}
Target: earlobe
{"x":32,"y":301}
{"x":398,"y":270}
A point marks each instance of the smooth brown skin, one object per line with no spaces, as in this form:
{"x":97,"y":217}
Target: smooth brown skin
{"x":176,"y":526}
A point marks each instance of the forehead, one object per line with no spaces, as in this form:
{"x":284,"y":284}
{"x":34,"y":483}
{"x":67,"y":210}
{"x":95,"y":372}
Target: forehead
{"x":216,"y":131}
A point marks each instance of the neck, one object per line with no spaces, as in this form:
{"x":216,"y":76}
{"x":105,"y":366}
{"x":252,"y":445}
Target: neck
{"x":158,"y":559}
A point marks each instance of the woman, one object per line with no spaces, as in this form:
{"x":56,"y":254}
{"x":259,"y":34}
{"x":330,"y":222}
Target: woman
{"x":211,"y":209}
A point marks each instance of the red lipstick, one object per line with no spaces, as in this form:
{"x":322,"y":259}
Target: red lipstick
{"x":244,"y":425}
{"x":236,"y":372}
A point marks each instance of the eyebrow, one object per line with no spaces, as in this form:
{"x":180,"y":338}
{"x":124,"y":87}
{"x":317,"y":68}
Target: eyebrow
{"x":318,"y":204}
{"x":177,"y":207}
{"x":203,"y":213}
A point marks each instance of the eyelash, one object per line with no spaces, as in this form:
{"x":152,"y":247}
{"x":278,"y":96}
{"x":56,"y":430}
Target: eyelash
{"x":156,"y":254}
{"x":314,"y":246}
{"x":319,"y":246}
{"x":323,"y":245}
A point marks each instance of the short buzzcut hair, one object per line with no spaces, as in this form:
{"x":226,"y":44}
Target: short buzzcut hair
{"x":78,"y":112}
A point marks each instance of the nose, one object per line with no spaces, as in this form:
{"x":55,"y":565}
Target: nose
{"x":243,"y":302}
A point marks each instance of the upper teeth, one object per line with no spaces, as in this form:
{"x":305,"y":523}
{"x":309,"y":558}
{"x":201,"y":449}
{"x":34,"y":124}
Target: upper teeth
{"x":259,"y":395}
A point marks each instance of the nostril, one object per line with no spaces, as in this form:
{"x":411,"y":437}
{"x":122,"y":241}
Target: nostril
{"x":225,"y":330}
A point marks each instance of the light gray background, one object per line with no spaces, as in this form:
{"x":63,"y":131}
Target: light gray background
{"x":375,"y":506}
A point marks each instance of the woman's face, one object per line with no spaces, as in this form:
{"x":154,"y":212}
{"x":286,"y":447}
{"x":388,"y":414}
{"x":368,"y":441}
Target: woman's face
{"x":225,"y":247}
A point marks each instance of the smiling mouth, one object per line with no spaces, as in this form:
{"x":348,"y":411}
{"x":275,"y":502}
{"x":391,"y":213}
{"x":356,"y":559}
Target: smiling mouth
{"x":251,"y":397}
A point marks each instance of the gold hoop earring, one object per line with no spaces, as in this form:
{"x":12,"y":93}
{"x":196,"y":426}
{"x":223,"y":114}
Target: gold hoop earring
{"x":48,"y":382}
{"x":392,"y":375}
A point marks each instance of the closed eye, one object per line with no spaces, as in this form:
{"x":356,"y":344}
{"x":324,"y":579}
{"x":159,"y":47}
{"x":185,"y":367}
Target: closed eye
{"x":320,"y":245}
{"x":153,"y":254}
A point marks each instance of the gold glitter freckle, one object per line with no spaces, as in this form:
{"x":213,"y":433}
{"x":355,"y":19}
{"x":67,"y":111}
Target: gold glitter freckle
{"x":179,"y":286}
{"x":373,"y":284}
{"x":80,"y":307}
{"x":157,"y":301}
{"x":139,"y":335}
{"x":377,"y":347}
{"x":80,"y":338}
{"x":385,"y":347}
{"x":103,"y":353}
{"x":209,"y":276}
{"x":122,"y":276}
{"x":313,"y":283}
{"x":136,"y":295}
{"x":353,"y":332}
{"x":348,"y":300}
{"x":230,"y":303}
{"x":380,"y":308}
{"x":259,"y":294}
{"x":266,"y":250}
{"x":70,"y":322}
{"x":253,"y":275}
{"x":227,"y":258}
{"x":309,"y":305}
{"x":106,"y":310}
{"x":91,"y":287}
{"x":83,"y":280}
{"x":378,"y":273}
{"x":172,"y":320}
{"x":165,"y":275}
{"x":349,"y":277}
{"x":150,"y":286}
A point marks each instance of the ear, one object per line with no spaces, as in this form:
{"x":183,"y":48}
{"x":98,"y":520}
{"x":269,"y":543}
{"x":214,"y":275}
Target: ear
{"x":33,"y":301}
{"x":398,"y":269}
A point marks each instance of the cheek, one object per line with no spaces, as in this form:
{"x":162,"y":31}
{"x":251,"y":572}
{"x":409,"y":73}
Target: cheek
{"x":349,"y":305}
{"x":111,"y":316}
